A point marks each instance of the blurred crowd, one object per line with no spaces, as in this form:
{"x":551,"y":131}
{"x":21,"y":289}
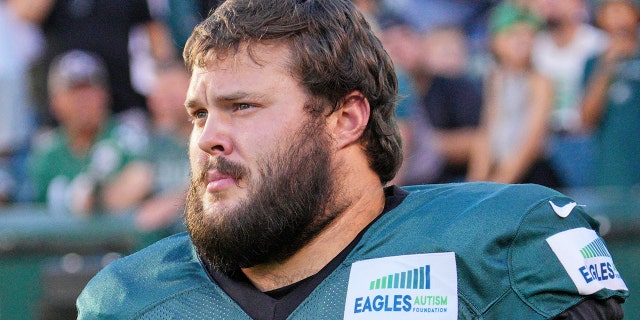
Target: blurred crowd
{"x":92,"y":105}
{"x":516,"y":91}
{"x":513,"y":91}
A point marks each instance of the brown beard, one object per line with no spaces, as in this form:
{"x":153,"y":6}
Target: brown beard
{"x":290,"y":202}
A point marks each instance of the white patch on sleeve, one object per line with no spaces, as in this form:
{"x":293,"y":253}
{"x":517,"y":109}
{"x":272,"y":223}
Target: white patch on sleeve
{"x":586,"y":259}
{"x":419,"y":286}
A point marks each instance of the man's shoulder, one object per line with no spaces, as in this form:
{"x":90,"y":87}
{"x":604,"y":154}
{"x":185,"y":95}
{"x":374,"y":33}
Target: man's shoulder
{"x":485,"y":209}
{"x":170,"y":249}
{"x":455,"y":195}
{"x":523,"y":227}
{"x":131,"y":284}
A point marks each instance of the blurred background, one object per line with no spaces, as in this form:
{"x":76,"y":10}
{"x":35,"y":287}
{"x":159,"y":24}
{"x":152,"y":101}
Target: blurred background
{"x":93,"y":133}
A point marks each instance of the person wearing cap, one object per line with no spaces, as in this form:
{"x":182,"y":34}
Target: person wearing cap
{"x":560,"y":52}
{"x":611,"y":104}
{"x":107,"y":28}
{"x":517,"y":106}
{"x":166,"y":153}
{"x":76,"y":167}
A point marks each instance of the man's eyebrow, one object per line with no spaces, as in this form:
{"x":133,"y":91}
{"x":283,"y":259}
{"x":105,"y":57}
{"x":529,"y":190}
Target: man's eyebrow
{"x":233,"y":96}
{"x":191,"y":104}
{"x":239,"y":95}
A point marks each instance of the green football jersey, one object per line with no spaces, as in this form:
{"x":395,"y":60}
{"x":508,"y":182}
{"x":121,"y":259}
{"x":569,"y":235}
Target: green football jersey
{"x":53,"y":165}
{"x":459,"y":251}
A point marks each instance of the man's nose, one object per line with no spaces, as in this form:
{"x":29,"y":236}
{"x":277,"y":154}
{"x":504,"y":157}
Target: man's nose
{"x":215,"y":138}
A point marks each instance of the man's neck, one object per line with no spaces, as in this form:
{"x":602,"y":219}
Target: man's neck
{"x":324,"y":247}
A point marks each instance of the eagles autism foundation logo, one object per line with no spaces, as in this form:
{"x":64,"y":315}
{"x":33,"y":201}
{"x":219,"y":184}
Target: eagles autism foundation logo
{"x":403,"y":287}
{"x":597,"y":263}
{"x":586,"y":259}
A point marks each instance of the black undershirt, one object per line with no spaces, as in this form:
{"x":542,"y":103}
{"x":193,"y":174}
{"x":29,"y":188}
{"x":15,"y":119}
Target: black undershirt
{"x":280,"y":303}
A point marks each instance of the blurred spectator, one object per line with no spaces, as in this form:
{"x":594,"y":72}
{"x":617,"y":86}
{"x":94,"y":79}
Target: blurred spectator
{"x":85,"y":164}
{"x":611,"y":106}
{"x":20,"y":43}
{"x":446,"y":52}
{"x":467,"y":15}
{"x":560,"y":53}
{"x":167,"y":152}
{"x":427,"y":15}
{"x":517,"y":106}
{"x":422,"y":161}
{"x":102,"y":27}
{"x":450,"y":104}
{"x":401,"y":42}
{"x":181,"y":16}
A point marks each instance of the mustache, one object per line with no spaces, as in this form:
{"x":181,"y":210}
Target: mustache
{"x":224,"y":166}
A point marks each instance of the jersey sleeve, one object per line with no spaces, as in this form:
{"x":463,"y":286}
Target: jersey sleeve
{"x":103,"y":298}
{"x":558,"y":259}
{"x":165,"y":278}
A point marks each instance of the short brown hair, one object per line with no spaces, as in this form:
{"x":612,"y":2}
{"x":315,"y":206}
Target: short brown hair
{"x":333,"y":52}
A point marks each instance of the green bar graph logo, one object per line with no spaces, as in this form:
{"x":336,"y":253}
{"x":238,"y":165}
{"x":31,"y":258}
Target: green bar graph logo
{"x":595,"y":249}
{"x":418,"y":278}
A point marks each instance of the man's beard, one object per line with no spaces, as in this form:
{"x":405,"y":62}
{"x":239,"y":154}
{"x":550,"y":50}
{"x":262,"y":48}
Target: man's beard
{"x":290,"y":202}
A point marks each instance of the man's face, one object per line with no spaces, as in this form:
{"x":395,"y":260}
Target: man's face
{"x":81,"y":108}
{"x":262,"y":181}
{"x":167,"y":98}
{"x":514,"y":44}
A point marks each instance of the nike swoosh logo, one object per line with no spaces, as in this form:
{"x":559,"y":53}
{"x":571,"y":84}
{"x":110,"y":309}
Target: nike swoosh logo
{"x":563,"y":211}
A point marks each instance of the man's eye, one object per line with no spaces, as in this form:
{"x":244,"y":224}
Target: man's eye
{"x":201,"y":114}
{"x":198,"y":115}
{"x":242,"y":106}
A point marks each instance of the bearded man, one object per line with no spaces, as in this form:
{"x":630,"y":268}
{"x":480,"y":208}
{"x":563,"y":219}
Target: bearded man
{"x":294,"y":140}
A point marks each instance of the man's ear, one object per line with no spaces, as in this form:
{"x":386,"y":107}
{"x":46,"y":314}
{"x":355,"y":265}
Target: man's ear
{"x":347,"y":124}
